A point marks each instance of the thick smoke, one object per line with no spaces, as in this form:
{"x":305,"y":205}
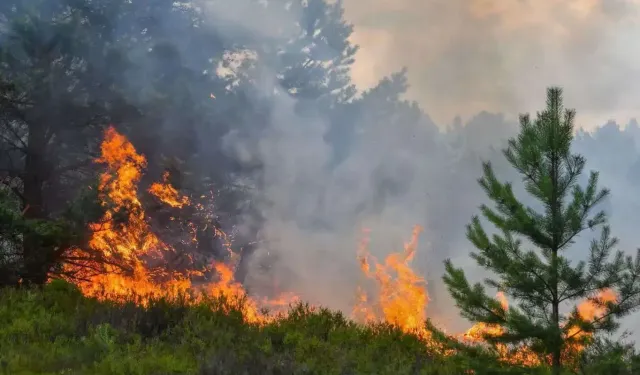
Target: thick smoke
{"x":464,"y":57}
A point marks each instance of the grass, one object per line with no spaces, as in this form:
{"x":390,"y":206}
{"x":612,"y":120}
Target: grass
{"x":56,"y":330}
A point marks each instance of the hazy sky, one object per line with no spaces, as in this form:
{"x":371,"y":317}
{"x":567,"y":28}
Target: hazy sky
{"x":469,"y":55}
{"x":464,"y":56}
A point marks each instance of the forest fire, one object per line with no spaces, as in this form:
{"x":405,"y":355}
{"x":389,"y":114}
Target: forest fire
{"x":589,"y":311}
{"x":132,"y":261}
{"x":124,"y":241}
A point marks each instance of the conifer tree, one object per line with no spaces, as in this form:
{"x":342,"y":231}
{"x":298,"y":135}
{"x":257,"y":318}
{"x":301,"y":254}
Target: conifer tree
{"x":527,"y":255}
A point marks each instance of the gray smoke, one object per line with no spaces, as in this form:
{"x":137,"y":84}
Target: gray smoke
{"x":385,"y":164}
{"x":381,"y":163}
{"x":463,"y":57}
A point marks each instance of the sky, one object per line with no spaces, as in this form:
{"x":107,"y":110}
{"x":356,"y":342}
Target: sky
{"x":465,"y":56}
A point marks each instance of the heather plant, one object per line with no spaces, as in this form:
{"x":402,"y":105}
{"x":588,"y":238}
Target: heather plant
{"x":56,"y":330}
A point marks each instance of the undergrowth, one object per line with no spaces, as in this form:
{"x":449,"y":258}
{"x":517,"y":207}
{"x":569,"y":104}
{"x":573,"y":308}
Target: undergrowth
{"x":56,"y":330}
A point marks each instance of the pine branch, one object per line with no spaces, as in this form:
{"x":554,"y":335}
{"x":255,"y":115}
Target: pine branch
{"x":541,"y":153}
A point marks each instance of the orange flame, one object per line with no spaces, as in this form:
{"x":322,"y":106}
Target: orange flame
{"x":587,"y":310}
{"x":127,"y":246}
{"x":167,"y":194}
{"x":401,"y":300}
{"x":519,"y":355}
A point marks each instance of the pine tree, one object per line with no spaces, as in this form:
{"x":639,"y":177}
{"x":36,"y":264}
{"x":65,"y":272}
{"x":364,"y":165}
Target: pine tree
{"x":544,"y":284}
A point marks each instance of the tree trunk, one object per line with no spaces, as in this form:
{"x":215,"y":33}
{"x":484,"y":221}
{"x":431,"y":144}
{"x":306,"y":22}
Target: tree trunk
{"x":556,"y":355}
{"x":36,"y":258}
{"x":557,"y":343}
{"x":557,"y":228}
{"x":243,"y":265}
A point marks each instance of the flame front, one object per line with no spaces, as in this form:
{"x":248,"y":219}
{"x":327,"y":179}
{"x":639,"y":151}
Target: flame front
{"x":402,"y":295}
{"x":125,"y":247}
{"x":122,"y":237}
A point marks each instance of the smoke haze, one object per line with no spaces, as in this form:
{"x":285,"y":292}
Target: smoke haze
{"x":464,"y":58}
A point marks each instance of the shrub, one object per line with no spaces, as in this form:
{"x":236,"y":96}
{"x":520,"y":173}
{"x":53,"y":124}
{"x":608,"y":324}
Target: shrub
{"x":56,"y":330}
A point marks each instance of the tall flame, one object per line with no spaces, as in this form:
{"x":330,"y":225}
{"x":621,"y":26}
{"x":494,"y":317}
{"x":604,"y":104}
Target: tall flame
{"x":127,"y":246}
{"x":122,"y":237}
{"x":402,"y":296}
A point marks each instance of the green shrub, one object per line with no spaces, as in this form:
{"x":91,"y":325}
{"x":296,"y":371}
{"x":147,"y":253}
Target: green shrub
{"x":56,"y":330}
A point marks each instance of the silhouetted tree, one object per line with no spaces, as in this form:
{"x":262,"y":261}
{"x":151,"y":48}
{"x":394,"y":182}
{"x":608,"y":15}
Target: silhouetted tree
{"x":56,"y":63}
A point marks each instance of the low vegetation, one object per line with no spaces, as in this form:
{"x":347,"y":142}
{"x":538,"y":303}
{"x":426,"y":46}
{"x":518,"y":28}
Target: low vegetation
{"x":56,"y":330}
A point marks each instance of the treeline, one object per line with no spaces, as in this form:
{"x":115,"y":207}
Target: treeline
{"x":71,"y":68}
